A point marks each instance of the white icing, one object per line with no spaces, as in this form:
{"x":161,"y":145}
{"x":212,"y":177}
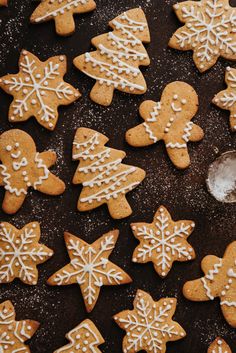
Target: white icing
{"x":109,"y":179}
{"x":90,"y":267}
{"x":209,"y":277}
{"x":149,"y":325}
{"x":163,"y":243}
{"x":119,"y":56}
{"x":175,"y":109}
{"x":33,"y":85}
{"x":231,"y":277}
{"x":40,"y":165}
{"x":7,"y":183}
{"x":62,"y":8}
{"x":210,"y":30}
{"x":150,"y":133}
{"x":155,"y":113}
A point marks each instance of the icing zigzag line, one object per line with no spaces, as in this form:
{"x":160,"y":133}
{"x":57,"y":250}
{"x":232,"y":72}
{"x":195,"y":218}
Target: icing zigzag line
{"x":213,"y":272}
{"x":7,"y":185}
{"x":150,"y":133}
{"x":46,"y":171}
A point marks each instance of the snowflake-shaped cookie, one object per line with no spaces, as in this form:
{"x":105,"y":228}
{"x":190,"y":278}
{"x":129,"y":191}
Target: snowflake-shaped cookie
{"x":13,"y":334}
{"x":209,"y":30}
{"x":219,"y":281}
{"x":20,"y":253}
{"x":219,"y":346}
{"x":83,"y":338}
{"x":227,"y":99}
{"x":90,"y":267}
{"x":61,"y":11}
{"x":163,"y":241}
{"x":38,"y":89}
{"x":149,"y":325}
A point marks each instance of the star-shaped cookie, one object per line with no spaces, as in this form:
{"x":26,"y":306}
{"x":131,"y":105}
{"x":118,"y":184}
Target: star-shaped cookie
{"x":219,"y":346}
{"x":163,"y":241}
{"x":61,"y":11}
{"x":13,"y":334}
{"x":20,"y":253}
{"x":38,"y":89}
{"x":209,"y":30}
{"x":219,"y":281}
{"x":90,"y":267}
{"x":149,"y":326}
{"x":227,"y":99}
{"x":83,"y":338}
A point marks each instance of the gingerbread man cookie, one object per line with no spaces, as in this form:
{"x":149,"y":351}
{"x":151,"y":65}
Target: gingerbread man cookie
{"x":209,"y":30}
{"x":90,"y":267}
{"x":163,"y":241}
{"x":61,"y":11}
{"x":149,"y":325}
{"x":83,"y":338}
{"x":23,"y":167}
{"x":115,"y":63}
{"x":20,"y":253}
{"x":104,"y":177}
{"x":169,"y":120}
{"x":38,"y":89}
{"x":13,"y":334}
{"x":219,"y":281}
{"x":219,"y":346}
{"x":227,"y":99}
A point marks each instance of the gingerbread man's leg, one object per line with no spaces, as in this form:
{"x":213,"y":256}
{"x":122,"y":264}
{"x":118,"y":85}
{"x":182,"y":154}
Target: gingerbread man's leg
{"x":196,"y":133}
{"x":51,"y":186}
{"x":229,"y":312}
{"x":179,"y":156}
{"x":65,"y":24}
{"x":102,"y":94}
{"x":12,"y":203}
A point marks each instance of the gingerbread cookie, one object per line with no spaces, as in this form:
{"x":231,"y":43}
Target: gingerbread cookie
{"x":13,"y":334}
{"x":90,"y":267}
{"x":209,"y":30}
{"x":219,"y":281}
{"x":227,"y":99}
{"x":3,"y":2}
{"x":219,"y":346}
{"x":169,"y":120}
{"x":20,"y":253}
{"x":23,"y":167}
{"x":104,"y":177}
{"x":83,"y":338}
{"x":38,"y":89}
{"x":115,"y":63}
{"x":61,"y":11}
{"x":149,"y":325}
{"x":163,"y":241}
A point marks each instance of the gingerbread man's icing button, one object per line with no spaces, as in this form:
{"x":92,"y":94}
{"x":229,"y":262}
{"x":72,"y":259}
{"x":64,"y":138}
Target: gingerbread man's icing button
{"x":149,"y":322}
{"x":226,"y":99}
{"x":219,"y":281}
{"x":61,"y":11}
{"x":14,"y":334}
{"x":219,"y":346}
{"x":163,"y":241}
{"x":23,"y":167}
{"x":38,"y":89}
{"x":209,"y":31}
{"x":169,"y":120}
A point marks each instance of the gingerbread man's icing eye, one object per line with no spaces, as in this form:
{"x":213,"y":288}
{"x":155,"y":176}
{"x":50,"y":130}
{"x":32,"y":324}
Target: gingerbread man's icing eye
{"x":8,"y":148}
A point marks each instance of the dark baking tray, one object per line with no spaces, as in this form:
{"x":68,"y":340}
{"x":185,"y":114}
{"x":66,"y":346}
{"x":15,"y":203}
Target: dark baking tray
{"x":183,"y":192}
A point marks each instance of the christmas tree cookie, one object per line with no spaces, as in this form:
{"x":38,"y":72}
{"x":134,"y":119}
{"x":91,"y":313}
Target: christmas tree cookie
{"x":104,"y":177}
{"x":13,"y":334}
{"x":149,"y":326}
{"x":227,"y":99}
{"x":89,"y":267}
{"x":61,"y":11}
{"x":38,"y":89}
{"x":23,"y":167}
{"x":163,"y":241}
{"x":115,"y":63}
{"x":20,"y":253}
{"x":219,"y":281}
{"x":209,"y":31}
{"x":83,"y":338}
{"x":169,"y":120}
{"x":219,"y":346}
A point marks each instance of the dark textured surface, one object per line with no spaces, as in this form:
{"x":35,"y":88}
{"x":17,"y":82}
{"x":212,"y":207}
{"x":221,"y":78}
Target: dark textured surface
{"x":182,"y":192}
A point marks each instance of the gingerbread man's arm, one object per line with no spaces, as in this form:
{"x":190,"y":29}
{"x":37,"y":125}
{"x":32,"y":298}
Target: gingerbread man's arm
{"x":12,"y":203}
{"x":196,"y":133}
{"x":49,"y":158}
{"x":52,"y":186}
